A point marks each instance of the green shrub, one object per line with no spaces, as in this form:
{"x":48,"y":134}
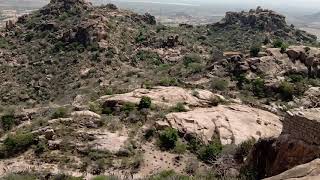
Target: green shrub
{"x":243,"y":149}
{"x":63,"y":16}
{"x":61,"y":112}
{"x":194,"y":143}
{"x":190,"y":59}
{"x":258,"y":87}
{"x":98,"y":154}
{"x":168,"y":81}
{"x":219,"y":84}
{"x":108,"y":91}
{"x":168,"y":138}
{"x":149,"y":56}
{"x":180,"y":107}
{"x":95,"y":107}
{"x":17,"y":143}
{"x":145,"y":102}
{"x":180,"y":148}
{"x":215,"y":100}
{"x":210,"y":152}
{"x":141,"y":37}
{"x":4,"y":43}
{"x":65,"y":177}
{"x":20,"y":176}
{"x":283,"y":48}
{"x":128,"y":107}
{"x":249,"y":173}
{"x":149,"y":133}
{"x":169,"y":175}
{"x":254,"y":50}
{"x":40,"y":147}
{"x":7,"y":122}
{"x":102,"y":177}
{"x":278,"y":43}
{"x":195,"y":67}
{"x":286,"y":91}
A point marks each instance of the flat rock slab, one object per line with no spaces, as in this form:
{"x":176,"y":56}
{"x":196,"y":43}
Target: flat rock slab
{"x":309,"y":171}
{"x":164,"y":96}
{"x":107,"y":141}
{"x":232,"y":123}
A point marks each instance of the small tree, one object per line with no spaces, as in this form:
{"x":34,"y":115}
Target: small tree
{"x":145,"y":103}
{"x":254,"y":50}
{"x":243,"y":149}
{"x":191,"y":58}
{"x":286,"y":91}
{"x":210,"y":152}
{"x":18,"y":143}
{"x":168,"y":138}
{"x":61,"y":112}
{"x":7,"y":122}
{"x":277,"y":43}
{"x":219,"y":84}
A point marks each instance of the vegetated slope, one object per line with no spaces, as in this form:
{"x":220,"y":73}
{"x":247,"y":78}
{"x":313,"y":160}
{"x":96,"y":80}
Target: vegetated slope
{"x":69,"y":47}
{"x":99,"y":66}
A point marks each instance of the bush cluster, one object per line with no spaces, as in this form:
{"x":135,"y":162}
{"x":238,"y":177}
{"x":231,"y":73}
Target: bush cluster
{"x":16,"y":143}
{"x":168,"y":138}
{"x":145,"y":103}
{"x":210,"y":152}
{"x":219,"y":84}
{"x":61,"y":112}
{"x":254,"y":50}
{"x":7,"y":122}
{"x":280,"y":44}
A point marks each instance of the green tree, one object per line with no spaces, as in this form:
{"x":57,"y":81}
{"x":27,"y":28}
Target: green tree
{"x":168,"y":138}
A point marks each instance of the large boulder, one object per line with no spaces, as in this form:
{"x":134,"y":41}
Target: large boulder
{"x":298,"y":143}
{"x":104,"y":140}
{"x":231,"y":123}
{"x":308,"y":171}
{"x":162,"y":97}
{"x":311,"y":98}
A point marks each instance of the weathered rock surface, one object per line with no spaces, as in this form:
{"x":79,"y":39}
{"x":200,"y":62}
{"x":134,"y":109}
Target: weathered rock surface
{"x":104,"y":140}
{"x":265,"y":20}
{"x":90,"y":114}
{"x":303,"y":125}
{"x":298,"y":144}
{"x":163,"y":96}
{"x":311,"y":98}
{"x":308,"y":171}
{"x":232,"y":123}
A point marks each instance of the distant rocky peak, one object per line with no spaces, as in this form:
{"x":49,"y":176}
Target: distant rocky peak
{"x":259,"y":18}
{"x":61,"y":6}
{"x":68,"y":1}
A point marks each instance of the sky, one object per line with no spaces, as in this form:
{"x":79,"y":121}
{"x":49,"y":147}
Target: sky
{"x":290,"y":5}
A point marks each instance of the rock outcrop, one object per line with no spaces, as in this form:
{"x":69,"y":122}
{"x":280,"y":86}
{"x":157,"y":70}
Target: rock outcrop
{"x":298,"y":144}
{"x":233,"y":124}
{"x":267,"y":21}
{"x":57,"y":7}
{"x":311,"y":98}
{"x":164,"y":96}
{"x":309,"y":56}
{"x":308,"y":171}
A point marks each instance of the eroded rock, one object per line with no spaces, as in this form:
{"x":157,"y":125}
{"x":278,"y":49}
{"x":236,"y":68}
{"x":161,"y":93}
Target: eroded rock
{"x":308,"y":171}
{"x":231,"y":123}
{"x":162,"y":96}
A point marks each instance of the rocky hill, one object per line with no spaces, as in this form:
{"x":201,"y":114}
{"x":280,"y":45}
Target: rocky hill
{"x":260,"y":25}
{"x":88,"y":91}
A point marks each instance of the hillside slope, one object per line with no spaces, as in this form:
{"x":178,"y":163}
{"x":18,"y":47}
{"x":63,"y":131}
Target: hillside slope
{"x":99,"y":91}
{"x":70,"y":46}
